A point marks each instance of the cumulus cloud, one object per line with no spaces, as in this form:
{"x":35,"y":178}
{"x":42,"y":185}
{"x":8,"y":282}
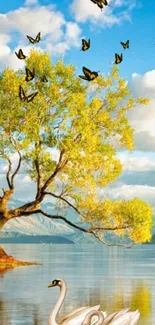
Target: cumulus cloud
{"x":133,"y":163}
{"x":127,"y":192}
{"x":88,"y":11}
{"x":58,"y":34}
{"x":142,"y":118}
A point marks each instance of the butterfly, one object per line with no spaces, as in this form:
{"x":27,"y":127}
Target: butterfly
{"x":36,"y":40}
{"x":25,"y":98}
{"x":125,"y":45}
{"x":85,"y":45}
{"x":98,"y":3}
{"x":29,"y":74}
{"x":118,"y":58}
{"x":44,"y":79}
{"x":88,"y":74}
{"x":20,"y":55}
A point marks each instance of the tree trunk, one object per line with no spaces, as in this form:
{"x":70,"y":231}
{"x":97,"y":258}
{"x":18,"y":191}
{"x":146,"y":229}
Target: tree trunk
{"x":3,"y":254}
{"x":7,"y":261}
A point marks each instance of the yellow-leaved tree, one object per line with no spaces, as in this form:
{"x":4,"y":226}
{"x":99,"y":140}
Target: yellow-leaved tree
{"x":83,"y":122}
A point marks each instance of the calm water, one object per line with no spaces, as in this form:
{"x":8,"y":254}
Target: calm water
{"x":112,"y":277}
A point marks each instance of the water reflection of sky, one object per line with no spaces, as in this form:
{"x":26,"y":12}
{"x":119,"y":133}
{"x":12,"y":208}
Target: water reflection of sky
{"x":112,"y":277}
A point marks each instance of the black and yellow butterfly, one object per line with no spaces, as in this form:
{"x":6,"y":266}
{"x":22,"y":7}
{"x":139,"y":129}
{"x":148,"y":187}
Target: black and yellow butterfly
{"x":88,"y":74}
{"x":29,"y":74}
{"x":25,"y":98}
{"x":20,"y":55}
{"x":34,"y":40}
{"x":118,"y":58}
{"x":98,"y":3}
{"x":44,"y":79}
{"x":125,"y":45}
{"x":85,"y":45}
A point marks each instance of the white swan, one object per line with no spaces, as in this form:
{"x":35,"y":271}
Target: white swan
{"x":74,"y":318}
{"x":123,"y":317}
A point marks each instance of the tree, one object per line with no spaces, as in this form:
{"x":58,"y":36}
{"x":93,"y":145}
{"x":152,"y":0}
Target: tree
{"x":85,"y":123}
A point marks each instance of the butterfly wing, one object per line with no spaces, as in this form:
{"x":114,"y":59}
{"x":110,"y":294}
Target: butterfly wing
{"x":123,"y":44}
{"x":100,"y":5}
{"x":83,"y":44}
{"x":94,"y":1}
{"x":31,"y":40}
{"x":127,"y":44}
{"x":20,"y":55}
{"x":104,"y":2}
{"x":17,"y":54}
{"x":21,"y":93}
{"x":86,"y":72}
{"x":29,"y":74}
{"x":37,"y":39}
{"x":44,"y":79}
{"x":88,"y":42}
{"x":93,"y":75}
{"x":83,"y":77}
{"x":118,"y":58}
{"x":29,"y":98}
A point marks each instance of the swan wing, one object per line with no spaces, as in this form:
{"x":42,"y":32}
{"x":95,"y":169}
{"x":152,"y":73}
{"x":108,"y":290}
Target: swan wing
{"x":121,"y":312}
{"x":135,"y":318}
{"x":126,"y":319}
{"x":115,"y":315}
{"x":77,"y":316}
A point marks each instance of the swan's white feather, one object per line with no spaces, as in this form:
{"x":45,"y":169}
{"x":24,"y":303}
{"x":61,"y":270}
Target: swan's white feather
{"x":130,"y":318}
{"x":115,"y":315}
{"x":78,"y":316}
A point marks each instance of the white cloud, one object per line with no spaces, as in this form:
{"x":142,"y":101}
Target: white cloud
{"x":88,"y":11}
{"x":142,"y":117}
{"x":58,"y":35}
{"x":127,"y":192}
{"x":133,"y":163}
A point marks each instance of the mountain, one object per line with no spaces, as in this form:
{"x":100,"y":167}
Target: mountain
{"x":39,"y":225}
{"x":16,"y":238}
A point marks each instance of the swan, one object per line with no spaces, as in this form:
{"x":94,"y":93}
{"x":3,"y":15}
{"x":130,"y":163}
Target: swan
{"x":74,"y":318}
{"x":123,"y":317}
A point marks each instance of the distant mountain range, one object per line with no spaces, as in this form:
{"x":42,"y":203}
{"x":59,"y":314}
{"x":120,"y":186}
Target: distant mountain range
{"x":39,"y":229}
{"x":23,"y":229}
{"x":16,"y":238}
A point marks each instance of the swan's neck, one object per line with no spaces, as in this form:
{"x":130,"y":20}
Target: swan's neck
{"x":57,"y":306}
{"x":87,"y":320}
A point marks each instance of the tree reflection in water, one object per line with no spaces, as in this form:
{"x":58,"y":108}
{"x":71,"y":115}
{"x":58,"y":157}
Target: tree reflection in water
{"x":19,"y":313}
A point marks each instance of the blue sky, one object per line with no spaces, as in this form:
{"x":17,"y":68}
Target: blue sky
{"x":105,"y":41}
{"x":63,"y":24}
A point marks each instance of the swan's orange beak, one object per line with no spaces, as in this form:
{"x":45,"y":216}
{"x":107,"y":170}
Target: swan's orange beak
{"x":51,"y":285}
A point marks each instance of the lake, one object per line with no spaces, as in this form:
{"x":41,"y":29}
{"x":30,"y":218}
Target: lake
{"x":110,"y":276}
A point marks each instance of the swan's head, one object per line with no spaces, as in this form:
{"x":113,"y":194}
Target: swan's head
{"x":56,"y":282}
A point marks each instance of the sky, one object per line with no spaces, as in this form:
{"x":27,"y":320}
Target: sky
{"x":62,"y":25}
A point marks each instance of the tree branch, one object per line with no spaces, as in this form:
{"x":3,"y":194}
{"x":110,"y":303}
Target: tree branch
{"x":63,"y":199}
{"x":8,"y":172}
{"x":13,"y":142}
{"x":17,"y":169}
{"x":59,"y":167}
{"x":88,"y":231}
{"x":36,"y":162}
{"x":103,"y":241}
